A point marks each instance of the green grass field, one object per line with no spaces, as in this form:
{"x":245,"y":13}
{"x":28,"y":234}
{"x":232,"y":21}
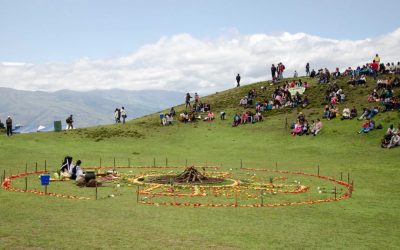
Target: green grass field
{"x":367,"y":220}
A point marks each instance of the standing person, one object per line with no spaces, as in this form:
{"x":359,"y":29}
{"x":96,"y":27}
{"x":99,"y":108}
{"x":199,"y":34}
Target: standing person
{"x":238,"y":80}
{"x":69,"y":122}
{"x":281,"y":68}
{"x":117,"y":115}
{"x":308,"y":69}
{"x":377,"y":59}
{"x":187,"y":100}
{"x":9,"y":126}
{"x":123,"y":114}
{"x":196,"y":99}
{"x":273,"y":72}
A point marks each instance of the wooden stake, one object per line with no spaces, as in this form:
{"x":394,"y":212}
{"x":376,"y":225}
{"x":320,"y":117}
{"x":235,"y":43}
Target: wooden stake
{"x":276,"y":165}
{"x":45,"y":189}
{"x":26,"y":183}
{"x":154,"y":161}
{"x":241,"y":163}
{"x":96,"y":191}
{"x":236,"y":199}
{"x":166,"y":161}
{"x":348,"y":178}
{"x":36,"y":167}
{"x":45,"y":165}
{"x":137,"y":194}
{"x":341,"y":176}
{"x":318,"y":170}
{"x":26,"y":168}
{"x":262,"y":197}
{"x":335,"y":192}
{"x":114,"y":162}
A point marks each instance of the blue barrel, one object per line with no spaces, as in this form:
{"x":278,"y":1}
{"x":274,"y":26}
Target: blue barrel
{"x":45,"y":180}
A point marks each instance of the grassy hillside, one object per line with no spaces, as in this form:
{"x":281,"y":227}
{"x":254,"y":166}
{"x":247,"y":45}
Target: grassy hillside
{"x":367,"y":220}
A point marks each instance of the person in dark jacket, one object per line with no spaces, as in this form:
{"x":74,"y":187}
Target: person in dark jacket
{"x":9,"y":126}
{"x":238,"y":80}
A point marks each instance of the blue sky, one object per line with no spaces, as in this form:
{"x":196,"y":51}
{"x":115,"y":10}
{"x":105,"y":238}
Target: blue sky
{"x":42,"y":31}
{"x":187,"y":45}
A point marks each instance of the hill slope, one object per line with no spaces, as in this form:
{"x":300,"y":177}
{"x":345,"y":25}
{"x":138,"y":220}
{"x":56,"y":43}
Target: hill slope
{"x":368,"y":220}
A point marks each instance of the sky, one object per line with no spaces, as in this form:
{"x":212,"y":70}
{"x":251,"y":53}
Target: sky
{"x":188,"y":45}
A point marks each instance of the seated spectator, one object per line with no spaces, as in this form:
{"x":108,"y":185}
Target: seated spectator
{"x":184,"y":117}
{"x":312,"y":74}
{"x":243,"y":101}
{"x":326,"y":114}
{"x":366,"y":127}
{"x":76,"y":171}
{"x":172,"y":112}
{"x":209,"y":117}
{"x":316,"y":127}
{"x":362,"y":80}
{"x":353,"y":112}
{"x":169,"y":119}
{"x":373,"y":111}
{"x":236,"y":120}
{"x":305,"y":102}
{"x":164,"y":120}
{"x":346,"y":113}
{"x":394,"y":139}
{"x":297,"y":128}
{"x":258,"y":117}
{"x":364,"y":114}
{"x":373,"y":97}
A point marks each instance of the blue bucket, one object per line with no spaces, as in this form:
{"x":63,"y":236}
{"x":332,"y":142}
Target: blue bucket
{"x":45,"y":180}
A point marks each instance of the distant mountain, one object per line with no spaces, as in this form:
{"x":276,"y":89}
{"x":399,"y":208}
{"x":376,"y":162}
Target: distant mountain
{"x":34,"y":108}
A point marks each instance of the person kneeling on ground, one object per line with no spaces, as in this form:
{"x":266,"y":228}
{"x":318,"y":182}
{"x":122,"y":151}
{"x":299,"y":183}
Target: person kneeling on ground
{"x":76,"y":170}
{"x":222,"y":115}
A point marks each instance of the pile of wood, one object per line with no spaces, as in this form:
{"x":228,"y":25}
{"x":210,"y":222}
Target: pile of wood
{"x":190,"y":175}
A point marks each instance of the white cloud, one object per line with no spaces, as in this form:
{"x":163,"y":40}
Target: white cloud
{"x":185,"y":63}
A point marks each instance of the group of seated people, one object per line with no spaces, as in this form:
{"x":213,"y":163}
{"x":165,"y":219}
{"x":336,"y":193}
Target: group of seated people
{"x":302,"y":127}
{"x":391,"y":138}
{"x":330,"y":112}
{"x":324,"y":76}
{"x":71,"y":171}
{"x":334,"y":94}
{"x":357,"y":80}
{"x":246,"y":117}
{"x":348,"y":114}
{"x":369,"y":113}
{"x":388,"y":83}
{"x":367,"y":126}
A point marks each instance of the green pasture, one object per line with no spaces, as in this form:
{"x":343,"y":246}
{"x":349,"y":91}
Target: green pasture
{"x":368,"y":220}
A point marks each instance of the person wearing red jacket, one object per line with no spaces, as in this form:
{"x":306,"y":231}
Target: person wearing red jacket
{"x":374,"y":67}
